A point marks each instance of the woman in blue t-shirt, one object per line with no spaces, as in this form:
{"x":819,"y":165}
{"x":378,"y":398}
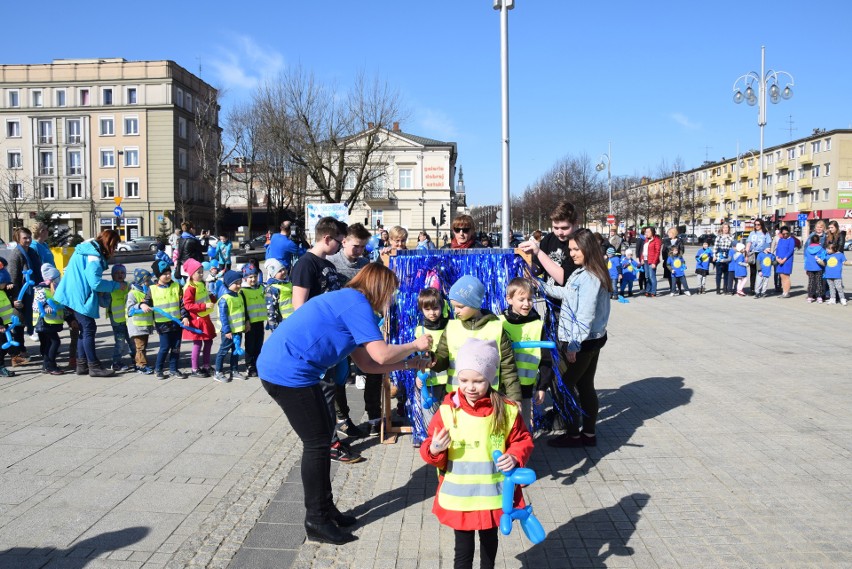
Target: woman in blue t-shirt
{"x":317,"y":336}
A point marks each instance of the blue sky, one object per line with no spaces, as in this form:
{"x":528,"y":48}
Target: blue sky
{"x":653,"y":78}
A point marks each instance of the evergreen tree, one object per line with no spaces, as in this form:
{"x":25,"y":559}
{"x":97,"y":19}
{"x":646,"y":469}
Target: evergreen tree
{"x":163,"y":235}
{"x":58,"y":234}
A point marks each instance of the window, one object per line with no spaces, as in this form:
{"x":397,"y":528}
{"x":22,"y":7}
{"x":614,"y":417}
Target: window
{"x":349,"y":182}
{"x":789,"y":199}
{"x":182,"y":189}
{"x":131,"y":126}
{"x":107,"y":158}
{"x":106,"y":96}
{"x":181,"y":127}
{"x":73,"y":131}
{"x":16,"y":190}
{"x":815,"y":196}
{"x":75,"y":190}
{"x":791,"y":153}
{"x":75,"y":163}
{"x":107,"y":126}
{"x":108,"y":189}
{"x":827,"y":144}
{"x":60,"y":97}
{"x":131,"y":157}
{"x":791,"y":175}
{"x":189,"y":102}
{"x":48,"y":190}
{"x":14,"y":99}
{"x":824,"y":194}
{"x":45,"y":162}
{"x":14,"y":160}
{"x":45,"y":132}
{"x":181,"y":158}
{"x":131,"y":95}
{"x":179,"y":97}
{"x":131,"y":189}
{"x":38,"y":101}
{"x":13,"y":129}
{"x":827,"y":167}
{"x":815,"y":171}
{"x":84,"y":97}
{"x":815,"y":146}
{"x":406,"y":181}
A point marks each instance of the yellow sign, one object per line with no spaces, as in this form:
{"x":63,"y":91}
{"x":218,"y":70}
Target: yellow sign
{"x":117,"y":200}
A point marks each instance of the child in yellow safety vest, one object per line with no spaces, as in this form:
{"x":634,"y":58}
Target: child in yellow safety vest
{"x":431,"y":306}
{"x":140,"y":324}
{"x":5,"y":315}
{"x":255,"y":303}
{"x":166,"y":295}
{"x":49,"y":318}
{"x":115,"y":303}
{"x":232,"y":319}
{"x":471,"y":424}
{"x":278,"y":293}
{"x":199,"y":303}
{"x":523,"y":324}
{"x":471,"y":321}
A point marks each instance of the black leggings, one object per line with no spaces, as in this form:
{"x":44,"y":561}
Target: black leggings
{"x":466,"y":545}
{"x":579,"y":377}
{"x":308,"y":413}
{"x":722,"y":276}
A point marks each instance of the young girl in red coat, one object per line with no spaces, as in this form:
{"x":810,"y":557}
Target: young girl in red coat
{"x":199,"y":303}
{"x":471,"y":423}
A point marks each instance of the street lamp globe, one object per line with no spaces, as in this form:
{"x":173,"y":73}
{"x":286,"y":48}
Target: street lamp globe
{"x":600,"y":167}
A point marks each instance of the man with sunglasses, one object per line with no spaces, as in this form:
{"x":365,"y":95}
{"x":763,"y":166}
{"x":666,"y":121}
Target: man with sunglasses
{"x":464,"y":233}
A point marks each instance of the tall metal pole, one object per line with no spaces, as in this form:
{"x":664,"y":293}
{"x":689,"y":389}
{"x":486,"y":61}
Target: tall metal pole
{"x":609,"y":174}
{"x":505,"y":5}
{"x":761,"y":121}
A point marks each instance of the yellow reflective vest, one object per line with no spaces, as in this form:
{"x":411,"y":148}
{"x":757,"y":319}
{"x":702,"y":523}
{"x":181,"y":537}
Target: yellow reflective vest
{"x":527,"y":359}
{"x":285,"y":299}
{"x":472,"y":481}
{"x":166,"y":299}
{"x":441,"y":377}
{"x":118,"y":306}
{"x":457,"y":335}
{"x":6,"y":308}
{"x":255,"y":303}
{"x":202,"y":295}
{"x":57,"y":317}
{"x":236,"y":313}
{"x":141,"y":319}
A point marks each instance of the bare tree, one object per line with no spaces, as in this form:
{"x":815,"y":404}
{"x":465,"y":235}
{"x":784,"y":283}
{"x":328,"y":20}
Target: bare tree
{"x":336,"y":141}
{"x":13,"y":195}
{"x":244,"y":130}
{"x":210,"y":152}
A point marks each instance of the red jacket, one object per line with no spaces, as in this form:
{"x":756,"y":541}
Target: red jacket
{"x":654,"y":246}
{"x":193,"y":306}
{"x":519,"y":444}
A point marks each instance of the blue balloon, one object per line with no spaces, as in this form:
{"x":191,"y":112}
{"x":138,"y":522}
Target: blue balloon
{"x":372,"y":244}
{"x":238,"y":349}
{"x":205,"y":265}
{"x":529,"y":523}
{"x":534,"y":344}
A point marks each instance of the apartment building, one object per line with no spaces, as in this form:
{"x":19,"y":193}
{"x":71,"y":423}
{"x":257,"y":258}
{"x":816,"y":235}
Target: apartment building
{"x":806,"y":179}
{"x":83,"y":136}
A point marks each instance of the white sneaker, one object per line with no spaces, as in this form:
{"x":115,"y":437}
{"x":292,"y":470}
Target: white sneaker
{"x":687,"y":293}
{"x":843,"y":301}
{"x":831,"y":301}
{"x":360,"y":381}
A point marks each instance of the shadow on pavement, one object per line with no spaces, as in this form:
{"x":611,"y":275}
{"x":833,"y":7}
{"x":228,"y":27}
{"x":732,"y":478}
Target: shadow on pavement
{"x":588,"y":540}
{"x":622,"y":412}
{"x":77,"y":555}
{"x":420,"y":486}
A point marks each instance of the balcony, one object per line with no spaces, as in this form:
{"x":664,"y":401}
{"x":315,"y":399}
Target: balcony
{"x":806,"y":159}
{"x":781,"y":186}
{"x":781,"y":164}
{"x":45,"y":171}
{"x":45,"y":139}
{"x":729,"y":176}
{"x":806,"y":184}
{"x":378,"y":196}
{"x":74,"y":139}
{"x":699,"y":183}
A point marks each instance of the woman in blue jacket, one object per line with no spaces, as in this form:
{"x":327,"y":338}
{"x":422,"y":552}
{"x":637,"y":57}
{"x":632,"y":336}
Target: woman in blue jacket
{"x":784,"y":256}
{"x":79,"y":290}
{"x":223,"y":253}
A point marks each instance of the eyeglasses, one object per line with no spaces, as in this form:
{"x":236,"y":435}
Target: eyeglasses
{"x":462,"y":229}
{"x":339,"y":242}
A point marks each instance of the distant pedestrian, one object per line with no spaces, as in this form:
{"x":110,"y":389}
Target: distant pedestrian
{"x":759,"y":241}
{"x":650,"y":258}
{"x":834,"y":274}
{"x":814,"y":263}
{"x":784,"y":251}
{"x":223,"y":253}
{"x":722,"y":255}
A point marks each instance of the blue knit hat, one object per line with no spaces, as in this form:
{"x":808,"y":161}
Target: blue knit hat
{"x":231,"y":277}
{"x":5,"y":277}
{"x":141,"y":278}
{"x":249,"y":269}
{"x":468,"y":290}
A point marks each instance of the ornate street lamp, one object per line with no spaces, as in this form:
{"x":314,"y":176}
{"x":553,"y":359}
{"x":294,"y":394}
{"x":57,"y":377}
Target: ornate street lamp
{"x":605,"y":162}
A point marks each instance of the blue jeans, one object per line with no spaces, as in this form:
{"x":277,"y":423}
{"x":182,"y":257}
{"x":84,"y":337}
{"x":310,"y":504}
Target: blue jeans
{"x":86,"y":345}
{"x":650,"y":278}
{"x":227,"y":345}
{"x":169,"y":346}
{"x":122,"y":343}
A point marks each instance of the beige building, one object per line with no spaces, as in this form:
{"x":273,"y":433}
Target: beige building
{"x":811,"y":176}
{"x":80,"y":135}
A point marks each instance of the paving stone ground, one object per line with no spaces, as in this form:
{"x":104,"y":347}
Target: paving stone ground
{"x":724,"y":441}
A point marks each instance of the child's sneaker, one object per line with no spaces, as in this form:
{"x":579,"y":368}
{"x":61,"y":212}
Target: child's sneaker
{"x":819,"y":300}
{"x":831,"y":301}
{"x":244,"y":375}
{"x":119,"y":367}
{"x":810,"y":299}
{"x":6,"y":372}
{"x":200,"y":372}
{"x":221,"y":377}
{"x":843,"y":301}
{"x":147,"y":370}
{"x":687,"y":293}
{"x":178,"y":374}
{"x":161,"y":375}
{"x":252,"y":372}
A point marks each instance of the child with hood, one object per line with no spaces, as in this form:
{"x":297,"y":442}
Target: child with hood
{"x":140,"y":324}
{"x":739,"y":266}
{"x":5,"y":315}
{"x":814,"y":263}
{"x":49,"y":318}
{"x":629,"y":272}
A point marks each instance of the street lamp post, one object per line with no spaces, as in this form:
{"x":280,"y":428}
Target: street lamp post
{"x":504,"y":6}
{"x":766,"y":81}
{"x":117,"y":188}
{"x":605,"y":162}
{"x":422,"y":201}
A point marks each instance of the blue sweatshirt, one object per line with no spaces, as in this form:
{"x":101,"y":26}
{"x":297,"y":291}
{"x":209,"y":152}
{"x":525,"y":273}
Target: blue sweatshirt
{"x":614,"y":268}
{"x":739,"y":265}
{"x":814,"y":252}
{"x":677,"y":265}
{"x":702,"y":258}
{"x":629,"y":269}
{"x":765,"y":261}
{"x":834,"y":265}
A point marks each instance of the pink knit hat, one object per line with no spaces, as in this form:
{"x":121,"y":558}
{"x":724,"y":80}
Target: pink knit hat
{"x":480,"y":356}
{"x":190,"y":266}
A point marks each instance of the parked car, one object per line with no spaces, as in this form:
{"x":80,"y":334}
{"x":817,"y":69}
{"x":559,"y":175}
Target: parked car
{"x":847,"y":246}
{"x":258,"y":242}
{"x":690,"y":239}
{"x":710,"y":238}
{"x":138,"y":244}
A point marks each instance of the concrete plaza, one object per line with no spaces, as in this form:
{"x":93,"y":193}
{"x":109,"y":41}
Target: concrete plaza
{"x":724,"y":441}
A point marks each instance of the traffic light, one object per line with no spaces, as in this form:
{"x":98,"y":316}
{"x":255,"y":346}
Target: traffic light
{"x":443,"y":218}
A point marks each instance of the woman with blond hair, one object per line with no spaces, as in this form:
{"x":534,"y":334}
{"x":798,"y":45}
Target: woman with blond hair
{"x":318,"y":336}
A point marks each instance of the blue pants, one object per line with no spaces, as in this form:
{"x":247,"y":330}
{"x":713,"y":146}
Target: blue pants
{"x":650,"y":278}
{"x":626,"y":285}
{"x":226,"y":346}
{"x":169,"y":346}
{"x":122,"y":343}
{"x":86,"y":346}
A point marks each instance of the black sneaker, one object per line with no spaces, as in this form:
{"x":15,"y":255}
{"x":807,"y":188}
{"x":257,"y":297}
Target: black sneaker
{"x":375,"y":429}
{"x":348,"y":429}
{"x":200,"y":373}
{"x":344,"y":454}
{"x":161,"y":375}
{"x":179,"y":374}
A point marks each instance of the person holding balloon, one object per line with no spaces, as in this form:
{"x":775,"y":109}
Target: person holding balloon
{"x":199,"y":304}
{"x":471,"y":424}
{"x":5,"y":319}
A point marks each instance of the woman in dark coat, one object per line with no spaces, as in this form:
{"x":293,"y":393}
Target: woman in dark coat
{"x":22,"y":258}
{"x":189,"y":247}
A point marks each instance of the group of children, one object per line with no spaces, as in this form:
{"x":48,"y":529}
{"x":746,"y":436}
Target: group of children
{"x":824,"y":264}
